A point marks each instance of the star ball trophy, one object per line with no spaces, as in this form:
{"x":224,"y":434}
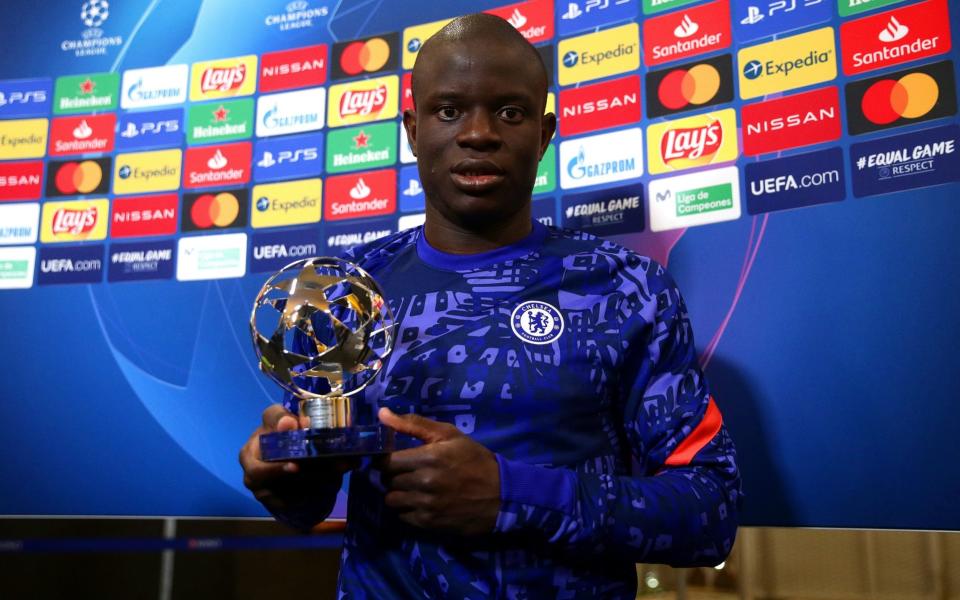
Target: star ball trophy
{"x":322,"y":330}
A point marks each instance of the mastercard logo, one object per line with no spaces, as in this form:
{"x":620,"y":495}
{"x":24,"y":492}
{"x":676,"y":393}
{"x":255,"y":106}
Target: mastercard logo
{"x":219,"y":210}
{"x":365,"y":56}
{"x":79,"y":177}
{"x":910,"y":97}
{"x":682,"y":87}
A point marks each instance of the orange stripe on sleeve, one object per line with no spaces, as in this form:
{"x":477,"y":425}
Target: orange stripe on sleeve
{"x":698,"y":438}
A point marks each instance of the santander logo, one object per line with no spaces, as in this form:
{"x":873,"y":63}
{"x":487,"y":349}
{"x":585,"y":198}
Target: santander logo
{"x":364,"y":102}
{"x":894,"y":31}
{"x":223,"y":79}
{"x":686,"y":28}
{"x":691,"y":143}
{"x":74,"y":221}
{"x":360,"y":191}
{"x":898,"y":36}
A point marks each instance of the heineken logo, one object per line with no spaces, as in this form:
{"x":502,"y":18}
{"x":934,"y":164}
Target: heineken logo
{"x":362,"y":147}
{"x":86,"y":93}
{"x":230,"y":120}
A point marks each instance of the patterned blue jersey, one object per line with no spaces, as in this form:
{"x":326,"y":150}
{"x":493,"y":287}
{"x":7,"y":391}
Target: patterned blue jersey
{"x":573,"y":360}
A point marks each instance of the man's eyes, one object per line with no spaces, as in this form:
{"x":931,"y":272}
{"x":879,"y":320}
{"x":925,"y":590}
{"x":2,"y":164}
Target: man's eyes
{"x":510,"y":114}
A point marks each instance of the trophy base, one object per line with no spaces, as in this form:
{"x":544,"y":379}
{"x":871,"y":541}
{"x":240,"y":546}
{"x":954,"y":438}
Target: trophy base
{"x":300,"y":444}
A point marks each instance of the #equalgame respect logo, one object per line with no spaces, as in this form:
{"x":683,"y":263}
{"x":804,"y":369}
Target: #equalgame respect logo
{"x":24,"y":138}
{"x":291,"y":69}
{"x":341,"y":237}
{"x":291,"y":112}
{"x":901,"y":98}
{"x":852,"y":7}
{"x":288,"y":157}
{"x":606,"y":212}
{"x":904,"y":162}
{"x":687,"y":33}
{"x":157,"y":171}
{"x":82,"y":135}
{"x":604,"y":158}
{"x":365,"y":56}
{"x":271,"y":251}
{"x":363,"y":101}
{"x":86,"y":93}
{"x":214,"y":210}
{"x":692,"y":142}
{"x":696,"y":199}
{"x":533,"y":19}
{"x":144,"y":216}
{"x":787,"y":64}
{"x":755,"y":19}
{"x":287,"y":203}
{"x":74,"y":221}
{"x":580,"y":15}
{"x":82,"y":264}
{"x":414,"y":37}
{"x":600,"y":54}
{"x":150,"y":129}
{"x":690,"y":86}
{"x":141,"y":261}
{"x":223,"y":78}
{"x":220,"y":121}
{"x":364,"y":147}
{"x":78,"y":177}
{"x":207,"y":257}
{"x":156,"y":86}
{"x":25,"y":97}
{"x":791,"y":122}
{"x":897,"y":36}
{"x":227,"y":164}
{"x":19,"y":223}
{"x":367,"y":194}
{"x":795,"y":181}
{"x":16,"y":267}
{"x":599,"y":106}
{"x":21,"y":180}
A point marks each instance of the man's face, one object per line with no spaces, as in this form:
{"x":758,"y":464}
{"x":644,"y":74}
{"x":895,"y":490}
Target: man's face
{"x":478,"y":131}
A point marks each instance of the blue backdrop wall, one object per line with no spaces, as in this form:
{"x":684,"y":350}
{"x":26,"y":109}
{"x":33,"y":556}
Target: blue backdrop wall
{"x":804,"y":193}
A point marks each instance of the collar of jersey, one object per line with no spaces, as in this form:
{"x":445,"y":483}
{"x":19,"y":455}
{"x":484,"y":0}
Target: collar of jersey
{"x":466,"y":262}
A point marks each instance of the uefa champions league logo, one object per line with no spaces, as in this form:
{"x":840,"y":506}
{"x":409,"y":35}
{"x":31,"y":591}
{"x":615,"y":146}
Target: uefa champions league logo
{"x":94,"y":12}
{"x":536,"y":322}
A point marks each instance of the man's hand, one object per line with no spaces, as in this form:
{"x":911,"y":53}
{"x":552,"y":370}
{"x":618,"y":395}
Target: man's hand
{"x":299,"y":492}
{"x":450,"y":483}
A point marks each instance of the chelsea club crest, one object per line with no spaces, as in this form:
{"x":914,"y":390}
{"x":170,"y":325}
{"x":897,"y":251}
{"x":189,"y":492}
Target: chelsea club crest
{"x":536,"y":322}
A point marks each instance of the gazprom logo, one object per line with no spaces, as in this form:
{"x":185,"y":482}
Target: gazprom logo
{"x":579,"y":168}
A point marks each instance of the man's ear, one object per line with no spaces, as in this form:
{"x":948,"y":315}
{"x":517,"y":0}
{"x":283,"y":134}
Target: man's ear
{"x":410,"y":124}
{"x":548,"y":125}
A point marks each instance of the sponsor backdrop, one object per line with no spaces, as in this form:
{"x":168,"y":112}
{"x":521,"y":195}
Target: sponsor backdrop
{"x":794,"y":162}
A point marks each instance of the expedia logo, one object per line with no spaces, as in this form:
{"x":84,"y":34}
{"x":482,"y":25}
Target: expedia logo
{"x":601,"y":54}
{"x":787,"y":64}
{"x":287,"y":203}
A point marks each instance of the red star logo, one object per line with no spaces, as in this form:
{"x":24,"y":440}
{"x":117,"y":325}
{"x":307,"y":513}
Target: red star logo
{"x":361,"y":140}
{"x":87,"y":86}
{"x":220,"y":114}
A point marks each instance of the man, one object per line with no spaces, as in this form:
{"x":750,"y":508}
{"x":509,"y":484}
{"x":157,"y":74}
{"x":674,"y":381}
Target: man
{"x":567,"y":430}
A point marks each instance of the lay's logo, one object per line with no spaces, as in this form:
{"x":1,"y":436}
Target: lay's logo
{"x":71,"y":221}
{"x":363,"y":101}
{"x":693,"y":142}
{"x":224,"y":78}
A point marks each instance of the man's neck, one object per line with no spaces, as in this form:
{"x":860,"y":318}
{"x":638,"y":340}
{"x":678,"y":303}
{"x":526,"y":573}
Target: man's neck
{"x":457,"y":239}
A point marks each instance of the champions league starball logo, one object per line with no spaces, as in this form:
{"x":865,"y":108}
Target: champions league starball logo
{"x":94,"y":12}
{"x":92,"y":42}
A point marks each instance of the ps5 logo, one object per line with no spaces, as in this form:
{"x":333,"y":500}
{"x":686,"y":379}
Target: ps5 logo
{"x":287,"y":156}
{"x":574,"y":11}
{"x":756,"y":14}
{"x":133,"y":130}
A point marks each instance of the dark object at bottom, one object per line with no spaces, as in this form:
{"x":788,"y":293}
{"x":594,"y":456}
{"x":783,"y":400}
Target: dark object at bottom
{"x":301,"y":444}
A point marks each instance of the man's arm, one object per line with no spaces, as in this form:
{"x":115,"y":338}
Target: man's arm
{"x":682,"y":508}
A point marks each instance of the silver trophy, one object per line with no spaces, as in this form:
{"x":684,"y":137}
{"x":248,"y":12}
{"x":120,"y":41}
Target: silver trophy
{"x":322,"y":330}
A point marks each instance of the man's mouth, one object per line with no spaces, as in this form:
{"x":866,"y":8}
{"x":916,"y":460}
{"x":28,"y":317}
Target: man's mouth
{"x":476,"y":176}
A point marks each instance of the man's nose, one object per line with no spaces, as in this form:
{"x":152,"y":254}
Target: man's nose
{"x":479,"y":131}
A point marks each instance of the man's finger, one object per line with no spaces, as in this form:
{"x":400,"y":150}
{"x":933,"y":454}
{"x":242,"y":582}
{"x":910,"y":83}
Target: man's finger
{"x":406,"y":461}
{"x":419,"y":427}
{"x":273,"y":414}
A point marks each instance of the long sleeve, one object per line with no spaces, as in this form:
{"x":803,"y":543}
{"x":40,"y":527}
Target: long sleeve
{"x":680,"y":504}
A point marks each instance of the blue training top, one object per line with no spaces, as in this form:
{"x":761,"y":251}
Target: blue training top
{"x":573,"y":360}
